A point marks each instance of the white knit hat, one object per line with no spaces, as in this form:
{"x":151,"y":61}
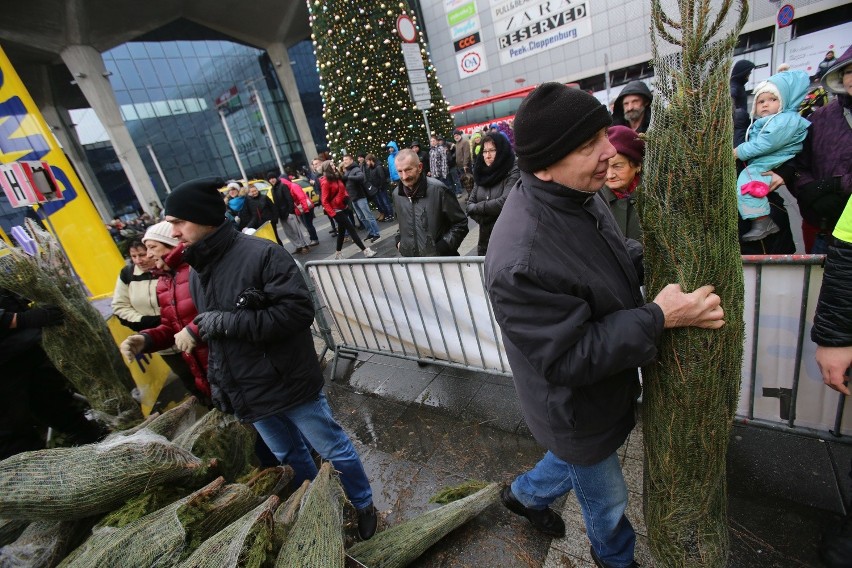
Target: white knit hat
{"x":766,"y":87}
{"x":161,"y":232}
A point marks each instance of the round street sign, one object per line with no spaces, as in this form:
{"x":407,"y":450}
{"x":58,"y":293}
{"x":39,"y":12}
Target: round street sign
{"x":405,"y":28}
{"x":785,"y":16}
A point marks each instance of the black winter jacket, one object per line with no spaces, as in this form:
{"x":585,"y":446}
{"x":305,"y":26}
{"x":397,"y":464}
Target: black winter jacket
{"x":485,"y":204}
{"x":431,"y":222}
{"x":14,"y":342}
{"x":354,"y":180}
{"x":267,"y":361}
{"x":564,"y":284}
{"x":256,"y":211}
{"x":739,"y":77}
{"x":833,"y":318}
{"x":283,"y":200}
{"x":377,"y":176}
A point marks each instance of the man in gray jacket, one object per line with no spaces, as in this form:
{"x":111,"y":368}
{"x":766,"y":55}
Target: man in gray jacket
{"x":564,"y":284}
{"x":431,"y":221}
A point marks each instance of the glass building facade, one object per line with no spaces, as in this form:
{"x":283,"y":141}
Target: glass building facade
{"x":171,"y":93}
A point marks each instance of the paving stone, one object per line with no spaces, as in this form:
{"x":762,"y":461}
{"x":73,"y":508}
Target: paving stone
{"x":450,"y":393}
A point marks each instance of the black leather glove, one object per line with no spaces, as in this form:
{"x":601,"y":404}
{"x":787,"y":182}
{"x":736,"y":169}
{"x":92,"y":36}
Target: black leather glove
{"x":211,"y":325}
{"x":40,"y":317}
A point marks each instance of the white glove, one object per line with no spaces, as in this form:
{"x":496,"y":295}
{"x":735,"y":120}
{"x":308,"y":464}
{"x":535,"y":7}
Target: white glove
{"x":184,"y":340}
{"x":132,"y":346}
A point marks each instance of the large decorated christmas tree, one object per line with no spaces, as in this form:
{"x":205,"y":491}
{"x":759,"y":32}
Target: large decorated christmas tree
{"x":363,"y":79}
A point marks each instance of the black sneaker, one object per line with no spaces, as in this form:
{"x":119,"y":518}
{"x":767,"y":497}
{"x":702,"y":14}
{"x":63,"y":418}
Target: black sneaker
{"x":545,"y":520}
{"x":367,"y":522}
{"x":374,"y":238}
{"x":601,"y":564}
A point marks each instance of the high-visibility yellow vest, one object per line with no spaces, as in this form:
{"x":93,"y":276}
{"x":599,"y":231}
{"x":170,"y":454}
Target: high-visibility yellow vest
{"x":843,"y":229}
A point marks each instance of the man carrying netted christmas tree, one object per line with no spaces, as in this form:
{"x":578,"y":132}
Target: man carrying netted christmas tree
{"x":564,"y":283}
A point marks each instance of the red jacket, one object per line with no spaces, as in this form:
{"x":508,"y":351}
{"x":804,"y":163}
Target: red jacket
{"x":333,"y":196}
{"x":299,"y":197}
{"x":177,"y":310}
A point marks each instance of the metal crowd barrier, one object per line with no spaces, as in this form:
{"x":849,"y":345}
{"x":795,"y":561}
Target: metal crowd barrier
{"x":782,"y":388}
{"x":436,"y":310}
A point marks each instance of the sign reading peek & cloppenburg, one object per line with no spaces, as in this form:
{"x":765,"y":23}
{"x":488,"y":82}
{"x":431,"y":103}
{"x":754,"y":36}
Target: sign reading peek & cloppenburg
{"x":528,"y":27}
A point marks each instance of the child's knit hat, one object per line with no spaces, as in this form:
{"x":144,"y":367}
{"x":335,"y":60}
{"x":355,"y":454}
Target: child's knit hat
{"x":765,"y":87}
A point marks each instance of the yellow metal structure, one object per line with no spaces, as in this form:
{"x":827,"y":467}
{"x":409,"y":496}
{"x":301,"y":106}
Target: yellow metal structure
{"x":24,"y":135}
{"x":149,"y":373}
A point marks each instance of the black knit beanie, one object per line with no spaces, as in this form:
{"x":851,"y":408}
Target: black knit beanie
{"x":198,"y":201}
{"x":554,"y":120}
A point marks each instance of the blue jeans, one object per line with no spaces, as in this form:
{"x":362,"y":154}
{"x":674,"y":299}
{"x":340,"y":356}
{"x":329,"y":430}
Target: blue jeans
{"x":602,"y":495}
{"x":362,"y":209}
{"x":383,"y":202}
{"x":283,"y":434}
{"x":455,"y":181}
{"x":308,"y":221}
{"x":820,"y":244}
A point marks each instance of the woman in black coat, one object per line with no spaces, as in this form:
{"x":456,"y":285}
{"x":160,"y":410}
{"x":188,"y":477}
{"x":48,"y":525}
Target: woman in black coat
{"x":494,"y":174}
{"x":257,"y":210}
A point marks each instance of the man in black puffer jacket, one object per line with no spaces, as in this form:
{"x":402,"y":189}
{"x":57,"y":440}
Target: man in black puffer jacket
{"x":255,"y":313}
{"x":832,"y":332}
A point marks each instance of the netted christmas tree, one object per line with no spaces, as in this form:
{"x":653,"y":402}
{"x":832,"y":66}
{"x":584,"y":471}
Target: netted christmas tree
{"x":688,"y":210}
{"x":363,"y":80}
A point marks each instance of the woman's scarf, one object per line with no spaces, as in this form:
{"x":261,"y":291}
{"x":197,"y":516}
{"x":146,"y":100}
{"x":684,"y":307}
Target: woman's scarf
{"x":630,"y":189}
{"x":488,"y":176}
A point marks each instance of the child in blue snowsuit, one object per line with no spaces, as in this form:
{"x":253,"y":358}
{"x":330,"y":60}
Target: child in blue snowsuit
{"x":775,"y":136}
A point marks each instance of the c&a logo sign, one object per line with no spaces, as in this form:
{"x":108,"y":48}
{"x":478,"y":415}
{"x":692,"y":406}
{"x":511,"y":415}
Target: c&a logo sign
{"x":471,"y":62}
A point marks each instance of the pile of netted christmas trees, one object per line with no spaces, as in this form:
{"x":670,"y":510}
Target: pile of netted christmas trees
{"x":176,"y":491}
{"x":82,"y":348}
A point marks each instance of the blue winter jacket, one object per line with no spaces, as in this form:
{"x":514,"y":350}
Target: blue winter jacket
{"x":394,"y":175}
{"x":777,"y":138}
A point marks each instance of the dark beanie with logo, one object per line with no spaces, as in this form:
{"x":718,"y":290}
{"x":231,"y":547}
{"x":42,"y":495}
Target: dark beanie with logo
{"x":554,"y":120}
{"x":198,"y":201}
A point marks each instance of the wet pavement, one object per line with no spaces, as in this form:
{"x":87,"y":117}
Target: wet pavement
{"x":420,"y":429}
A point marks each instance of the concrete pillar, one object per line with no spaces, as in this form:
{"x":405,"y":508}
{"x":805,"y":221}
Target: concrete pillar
{"x":281,"y":61}
{"x":60,"y":123}
{"x":61,"y":126}
{"x":87,"y":67}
